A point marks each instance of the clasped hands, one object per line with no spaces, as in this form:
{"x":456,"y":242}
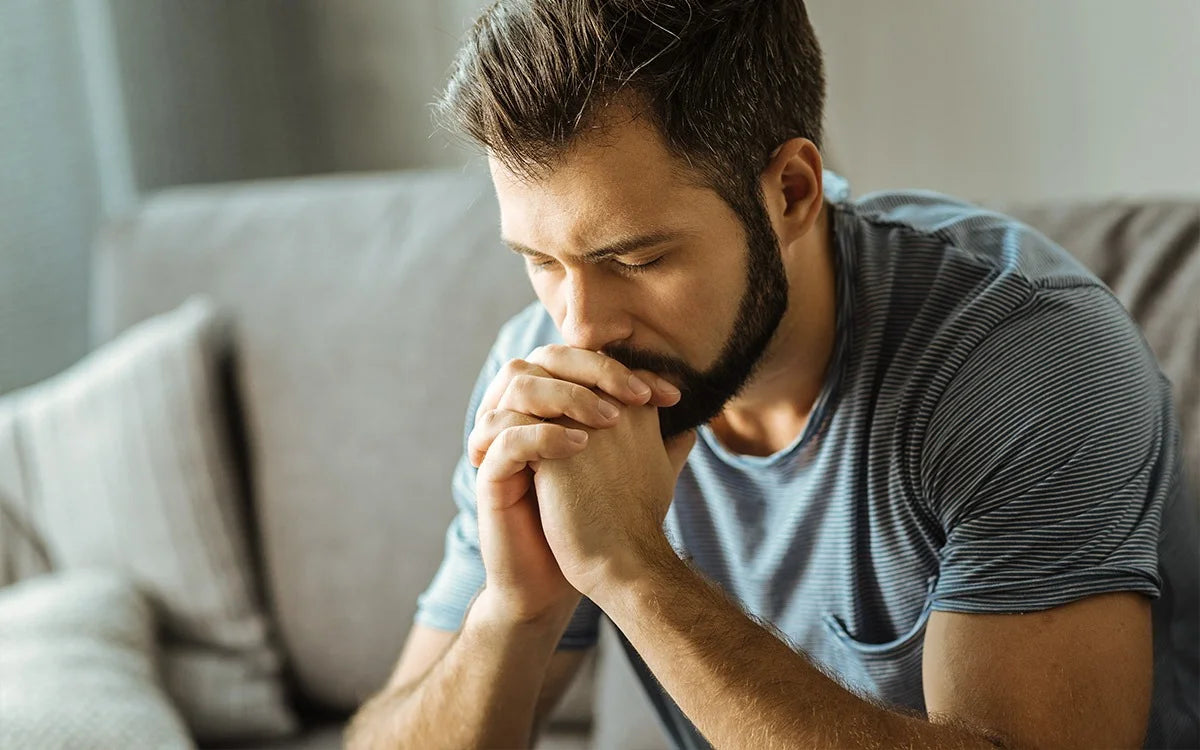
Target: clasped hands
{"x":574,"y":477}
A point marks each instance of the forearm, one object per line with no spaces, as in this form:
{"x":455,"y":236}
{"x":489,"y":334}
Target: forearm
{"x":736,"y":681}
{"x":481,"y":693}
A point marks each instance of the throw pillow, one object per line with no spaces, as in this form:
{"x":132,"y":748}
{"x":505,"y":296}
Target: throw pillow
{"x":21,"y":553}
{"x":77,"y":655}
{"x":127,"y":465}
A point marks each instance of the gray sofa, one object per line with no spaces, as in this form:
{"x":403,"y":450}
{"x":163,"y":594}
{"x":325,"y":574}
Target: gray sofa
{"x":363,"y":307}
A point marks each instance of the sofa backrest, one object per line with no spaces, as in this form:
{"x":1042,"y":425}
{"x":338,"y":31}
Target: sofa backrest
{"x":363,"y":308}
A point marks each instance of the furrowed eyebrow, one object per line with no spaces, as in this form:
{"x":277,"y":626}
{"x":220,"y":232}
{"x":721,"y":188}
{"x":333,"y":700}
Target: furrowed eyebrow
{"x":620,"y":247}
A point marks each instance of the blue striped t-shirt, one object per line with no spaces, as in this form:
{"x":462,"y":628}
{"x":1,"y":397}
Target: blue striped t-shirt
{"x":993,"y":436}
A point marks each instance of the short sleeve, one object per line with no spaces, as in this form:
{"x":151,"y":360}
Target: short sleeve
{"x":1048,"y":459}
{"x":444,"y":604}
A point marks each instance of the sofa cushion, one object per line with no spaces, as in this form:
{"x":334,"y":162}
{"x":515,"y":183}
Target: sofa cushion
{"x":77,"y":654}
{"x":126,"y":465}
{"x":22,"y":553}
{"x":363,"y":308}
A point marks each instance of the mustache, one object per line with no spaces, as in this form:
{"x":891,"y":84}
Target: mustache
{"x":692,"y":383}
{"x":638,"y":359}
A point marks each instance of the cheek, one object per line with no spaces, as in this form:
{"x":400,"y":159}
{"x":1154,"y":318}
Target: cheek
{"x":693,"y":310}
{"x":706,"y":294}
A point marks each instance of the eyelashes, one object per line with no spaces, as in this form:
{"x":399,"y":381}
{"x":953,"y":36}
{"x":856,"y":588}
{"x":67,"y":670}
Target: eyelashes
{"x":625,"y":268}
{"x":637,"y":267}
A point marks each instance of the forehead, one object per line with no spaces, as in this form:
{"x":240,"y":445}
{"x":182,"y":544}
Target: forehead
{"x":621,"y":180}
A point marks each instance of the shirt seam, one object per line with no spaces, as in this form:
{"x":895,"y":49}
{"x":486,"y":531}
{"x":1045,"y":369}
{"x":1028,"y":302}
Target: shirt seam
{"x":1072,"y":281}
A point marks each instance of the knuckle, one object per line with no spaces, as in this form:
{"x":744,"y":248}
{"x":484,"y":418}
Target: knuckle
{"x":546,"y":433}
{"x":579,"y":397}
{"x":615,"y":369}
{"x":508,"y":439}
{"x":488,"y":420}
{"x":546,"y":354}
{"x":521,"y":385}
{"x":476,"y":454}
{"x":512,"y":367}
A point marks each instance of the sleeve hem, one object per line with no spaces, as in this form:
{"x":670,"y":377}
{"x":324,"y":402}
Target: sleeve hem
{"x":435,"y":621}
{"x":1033,"y":596}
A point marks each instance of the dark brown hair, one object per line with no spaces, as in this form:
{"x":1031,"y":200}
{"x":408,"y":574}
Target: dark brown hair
{"x":724,"y":81}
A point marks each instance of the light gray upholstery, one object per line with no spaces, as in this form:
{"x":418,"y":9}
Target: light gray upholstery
{"x":125,"y":463}
{"x":363,"y":308}
{"x":22,"y":551}
{"x":78,"y":666}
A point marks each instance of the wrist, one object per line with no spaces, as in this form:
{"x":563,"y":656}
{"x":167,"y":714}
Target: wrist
{"x":494,"y":608}
{"x":635,"y":573}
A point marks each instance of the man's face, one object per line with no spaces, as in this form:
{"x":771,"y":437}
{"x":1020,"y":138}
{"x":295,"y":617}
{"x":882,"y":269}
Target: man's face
{"x":635,"y":259}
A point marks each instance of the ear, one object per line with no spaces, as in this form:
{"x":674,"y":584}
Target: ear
{"x":793,"y":189}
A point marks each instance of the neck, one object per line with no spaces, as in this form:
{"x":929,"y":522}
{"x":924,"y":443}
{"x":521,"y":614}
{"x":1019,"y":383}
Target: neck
{"x":776,"y":404}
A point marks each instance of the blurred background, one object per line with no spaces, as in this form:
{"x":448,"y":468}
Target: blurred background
{"x":105,"y":101}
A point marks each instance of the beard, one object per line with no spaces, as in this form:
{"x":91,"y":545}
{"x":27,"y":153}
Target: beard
{"x":705,"y":393}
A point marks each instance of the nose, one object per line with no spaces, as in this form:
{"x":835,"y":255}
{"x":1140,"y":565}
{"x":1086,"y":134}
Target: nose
{"x":593,"y":317}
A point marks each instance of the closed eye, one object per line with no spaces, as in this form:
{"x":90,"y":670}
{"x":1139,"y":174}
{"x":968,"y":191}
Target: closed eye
{"x":637,"y":267}
{"x":629,"y":268}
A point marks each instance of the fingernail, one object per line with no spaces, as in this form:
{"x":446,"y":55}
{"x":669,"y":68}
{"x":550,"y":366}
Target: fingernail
{"x":608,"y":411}
{"x":639,"y":386}
{"x":579,"y":437}
{"x":667,"y":387}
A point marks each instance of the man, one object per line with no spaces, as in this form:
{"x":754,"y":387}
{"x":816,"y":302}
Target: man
{"x":886,"y":472}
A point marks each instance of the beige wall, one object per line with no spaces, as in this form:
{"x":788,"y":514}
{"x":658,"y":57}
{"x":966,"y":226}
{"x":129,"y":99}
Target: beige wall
{"x":49,"y":192}
{"x":1015,"y":99}
{"x":1003,"y":99}
{"x":104,"y":100}
{"x":377,"y":65}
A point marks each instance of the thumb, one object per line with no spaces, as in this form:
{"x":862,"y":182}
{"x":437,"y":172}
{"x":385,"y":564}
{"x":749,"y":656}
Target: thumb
{"x":678,"y":449}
